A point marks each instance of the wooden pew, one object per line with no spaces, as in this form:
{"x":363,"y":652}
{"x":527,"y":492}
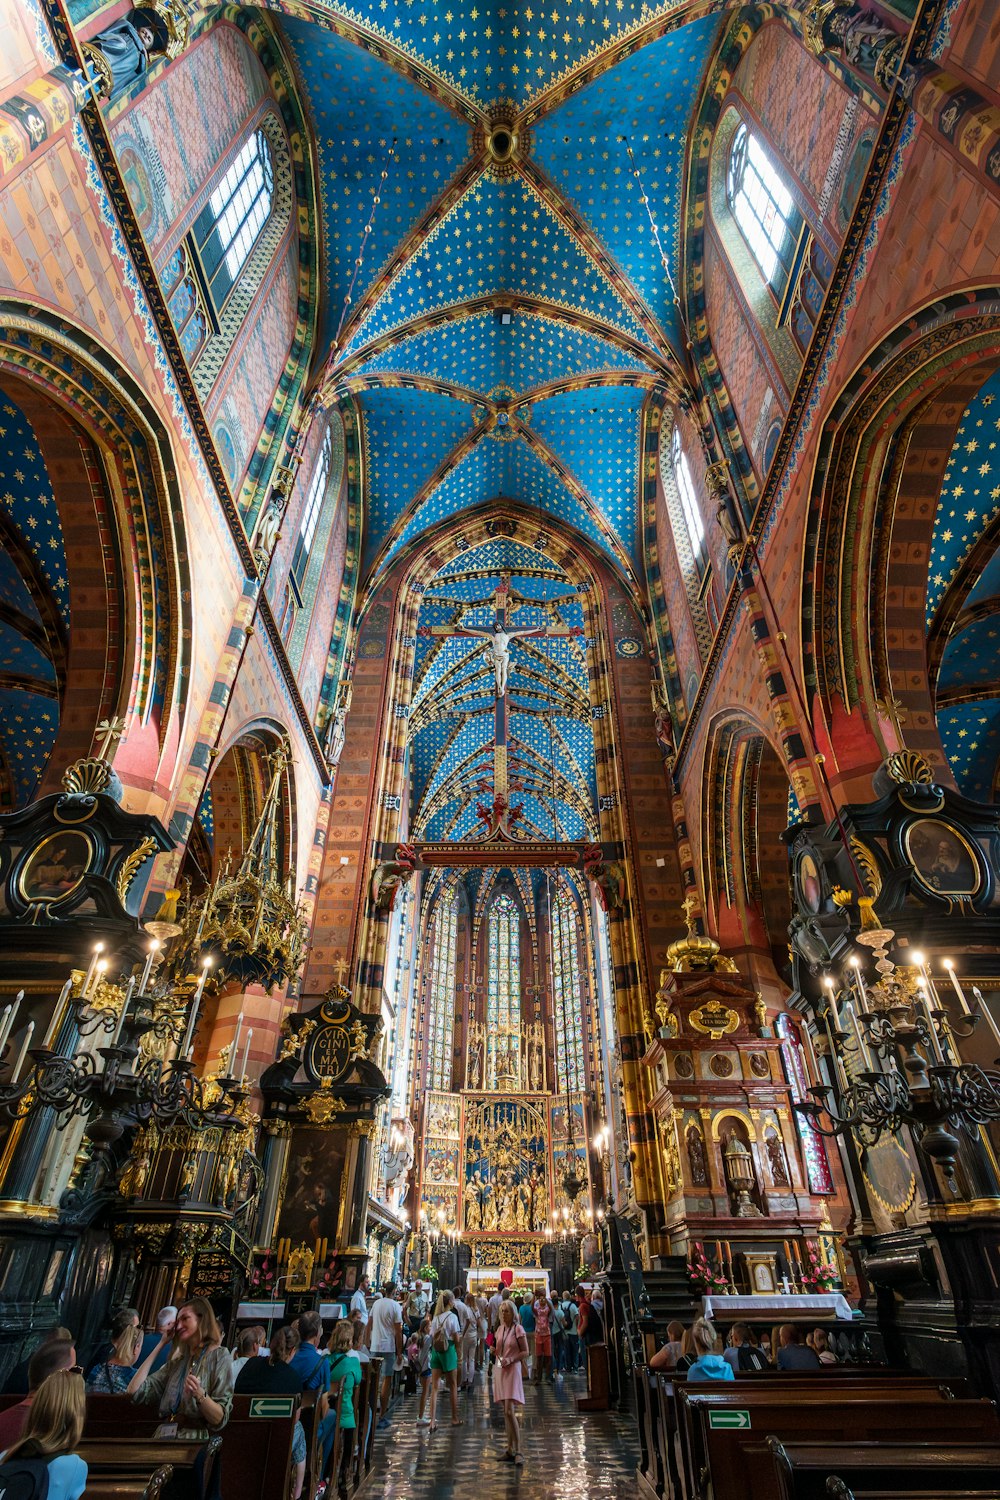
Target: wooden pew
{"x":128,"y":1468}
{"x":885,"y":1471}
{"x":370,"y":1418}
{"x":730,"y":1457}
{"x":124,"y":1487}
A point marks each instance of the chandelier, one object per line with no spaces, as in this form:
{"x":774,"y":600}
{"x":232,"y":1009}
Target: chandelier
{"x":249,"y":920}
{"x":902,"y":1061}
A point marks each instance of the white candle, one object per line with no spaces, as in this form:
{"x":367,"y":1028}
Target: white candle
{"x":860,"y":980}
{"x":246,"y":1053}
{"x":863,"y":1052}
{"x":966,"y":1008}
{"x":9,"y":1017}
{"x":836,"y":1066}
{"x":26,"y":1043}
{"x":153,"y":950}
{"x":121,"y":1015}
{"x":99,"y":969}
{"x":206,"y":964}
{"x":57,"y":1015}
{"x":235,"y":1045}
{"x":986,"y":1013}
{"x":90,"y":972}
{"x":935,"y":1044}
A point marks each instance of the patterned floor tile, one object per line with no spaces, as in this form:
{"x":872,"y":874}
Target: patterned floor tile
{"x":568,"y":1455}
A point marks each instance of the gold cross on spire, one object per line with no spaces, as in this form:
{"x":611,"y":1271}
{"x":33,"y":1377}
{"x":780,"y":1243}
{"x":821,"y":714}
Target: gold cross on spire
{"x":108,"y":730}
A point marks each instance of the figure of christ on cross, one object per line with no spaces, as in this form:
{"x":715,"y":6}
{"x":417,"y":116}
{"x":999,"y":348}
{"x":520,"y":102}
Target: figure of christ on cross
{"x":497,"y":651}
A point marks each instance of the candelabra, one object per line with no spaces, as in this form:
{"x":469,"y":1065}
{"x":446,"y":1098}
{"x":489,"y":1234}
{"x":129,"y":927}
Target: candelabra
{"x":124,"y":1083}
{"x":902,"y":1050}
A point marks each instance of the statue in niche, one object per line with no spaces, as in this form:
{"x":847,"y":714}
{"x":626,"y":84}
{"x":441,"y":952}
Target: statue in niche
{"x":776,"y":1159}
{"x":663,"y":725}
{"x":475,"y":1068}
{"x":338,"y":724}
{"x":536,"y":1060}
{"x":697,"y":1160}
{"x":120,"y":53}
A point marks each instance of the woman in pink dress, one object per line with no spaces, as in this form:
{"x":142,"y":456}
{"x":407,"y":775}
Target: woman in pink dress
{"x":511,"y":1355}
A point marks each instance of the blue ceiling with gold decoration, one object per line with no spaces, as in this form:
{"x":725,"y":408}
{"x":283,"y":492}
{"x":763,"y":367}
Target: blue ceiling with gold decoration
{"x":542,"y":735}
{"x":34,"y":608}
{"x":968,"y":682}
{"x":503,"y":311}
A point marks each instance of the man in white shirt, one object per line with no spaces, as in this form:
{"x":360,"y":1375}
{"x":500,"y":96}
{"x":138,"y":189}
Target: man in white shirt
{"x":384,"y":1336}
{"x":467,"y":1343}
{"x":359,"y":1302}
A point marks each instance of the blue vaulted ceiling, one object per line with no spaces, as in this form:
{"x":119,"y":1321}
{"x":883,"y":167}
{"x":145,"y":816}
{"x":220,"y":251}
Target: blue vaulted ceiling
{"x":533,"y":285}
{"x":967,"y":588}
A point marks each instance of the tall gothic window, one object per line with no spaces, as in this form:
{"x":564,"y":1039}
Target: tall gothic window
{"x":311,"y":511}
{"x":813,"y":1145}
{"x":568,"y":1013}
{"x":689,"y":502}
{"x":763,"y":207}
{"x":503,"y":993}
{"x":226,"y":230}
{"x":441,"y":1000}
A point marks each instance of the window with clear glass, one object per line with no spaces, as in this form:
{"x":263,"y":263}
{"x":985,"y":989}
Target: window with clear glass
{"x":441,"y":999}
{"x":568,"y":995}
{"x":227,"y":228}
{"x":311,"y":512}
{"x":503,"y":993}
{"x":689,"y":503}
{"x":763,"y":207}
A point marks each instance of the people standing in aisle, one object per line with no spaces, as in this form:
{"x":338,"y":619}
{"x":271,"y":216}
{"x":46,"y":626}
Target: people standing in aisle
{"x":446,"y":1336}
{"x":384,"y":1337}
{"x":359,"y":1302}
{"x":526,"y":1313}
{"x":542,"y":1311}
{"x":422,"y":1342}
{"x":571,"y":1326}
{"x":482,"y":1328}
{"x":558,"y":1336}
{"x":510,"y":1353}
{"x":417,"y":1306}
{"x":467,"y":1345}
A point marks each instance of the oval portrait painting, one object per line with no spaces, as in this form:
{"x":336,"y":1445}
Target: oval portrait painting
{"x":941,"y":858}
{"x":56,"y":867}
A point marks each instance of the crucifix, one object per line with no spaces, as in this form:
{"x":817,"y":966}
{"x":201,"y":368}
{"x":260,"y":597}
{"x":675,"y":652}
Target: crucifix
{"x":498,"y":638}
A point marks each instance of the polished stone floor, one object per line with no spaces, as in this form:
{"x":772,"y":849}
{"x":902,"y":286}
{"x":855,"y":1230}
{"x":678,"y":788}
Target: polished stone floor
{"x":567,"y":1455}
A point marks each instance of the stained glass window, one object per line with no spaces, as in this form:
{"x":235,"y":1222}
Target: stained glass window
{"x":568,"y":1015}
{"x":689,"y":502}
{"x":503,"y":994}
{"x":813,"y":1146}
{"x":441,"y":999}
{"x":226,"y":230}
{"x":762,"y":206}
{"x":313,"y":506}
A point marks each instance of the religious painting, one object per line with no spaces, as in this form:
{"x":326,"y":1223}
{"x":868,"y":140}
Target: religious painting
{"x":310,"y":1201}
{"x":506,"y":1158}
{"x":941,"y":858}
{"x":56,"y":867}
{"x":443,"y":1116}
{"x":889,"y":1174}
{"x":807,"y":879}
{"x":441,"y":1164}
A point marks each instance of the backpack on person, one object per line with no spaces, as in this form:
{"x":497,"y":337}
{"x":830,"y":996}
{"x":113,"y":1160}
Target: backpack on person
{"x":750,"y":1358}
{"x":24,"y":1479}
{"x":440,"y":1339}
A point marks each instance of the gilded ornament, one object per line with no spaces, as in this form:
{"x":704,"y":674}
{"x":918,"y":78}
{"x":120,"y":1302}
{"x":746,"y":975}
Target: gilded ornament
{"x":300,"y":1269}
{"x":694,"y":953}
{"x":136,"y":1171}
{"x":322,"y":1105}
{"x":129,"y":867}
{"x":842,"y":897}
{"x":907,"y":768}
{"x":714,"y":1019}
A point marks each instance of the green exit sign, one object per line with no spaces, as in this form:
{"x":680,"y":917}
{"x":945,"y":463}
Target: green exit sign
{"x":272,"y":1406}
{"x":729,"y":1419}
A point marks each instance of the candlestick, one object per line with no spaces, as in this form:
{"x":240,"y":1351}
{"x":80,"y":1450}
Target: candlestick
{"x":90,"y":972}
{"x":234,"y":1045}
{"x":966,"y":1008}
{"x":246,"y":1053}
{"x":26,"y":1043}
{"x":986,"y":1013}
{"x":863,"y":1052}
{"x":836,"y":1065}
{"x":151,"y":954}
{"x":9,"y":1017}
{"x":57,"y":1015}
{"x":121,"y":1015}
{"x":862,"y":992}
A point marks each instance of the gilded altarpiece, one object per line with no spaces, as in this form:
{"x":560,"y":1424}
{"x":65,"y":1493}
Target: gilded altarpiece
{"x":492,"y":1168}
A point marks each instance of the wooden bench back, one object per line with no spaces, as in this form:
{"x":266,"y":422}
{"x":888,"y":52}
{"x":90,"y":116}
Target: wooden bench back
{"x":731,"y":1458}
{"x":803,"y":1470}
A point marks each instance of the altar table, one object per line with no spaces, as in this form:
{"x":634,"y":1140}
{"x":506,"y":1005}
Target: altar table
{"x":823,"y":1304}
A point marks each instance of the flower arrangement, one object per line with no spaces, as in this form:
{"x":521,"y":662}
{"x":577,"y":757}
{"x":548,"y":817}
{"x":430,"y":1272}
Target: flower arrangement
{"x":332,"y":1276}
{"x":427,"y":1273}
{"x":263,"y":1275}
{"x":702,"y":1278}
{"x":819,"y":1275}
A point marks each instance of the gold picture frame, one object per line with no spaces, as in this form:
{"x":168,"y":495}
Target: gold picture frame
{"x":762,"y":1273}
{"x":55,"y":868}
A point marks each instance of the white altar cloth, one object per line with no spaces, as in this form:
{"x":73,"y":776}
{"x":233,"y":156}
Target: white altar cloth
{"x":834,"y":1303}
